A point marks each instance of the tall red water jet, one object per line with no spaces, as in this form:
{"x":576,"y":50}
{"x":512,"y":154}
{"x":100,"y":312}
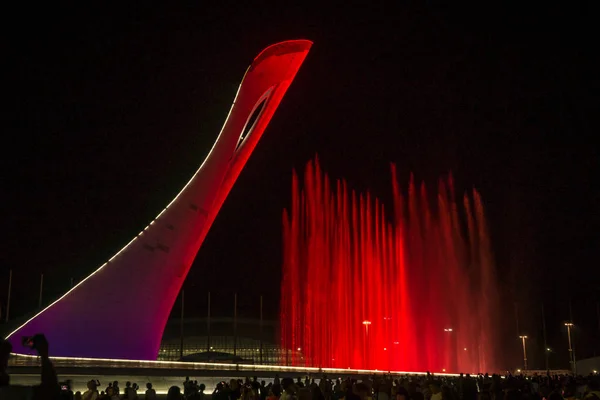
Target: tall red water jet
{"x":363,"y":288}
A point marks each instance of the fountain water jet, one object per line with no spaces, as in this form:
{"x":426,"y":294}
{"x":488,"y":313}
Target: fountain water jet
{"x":412,"y":291}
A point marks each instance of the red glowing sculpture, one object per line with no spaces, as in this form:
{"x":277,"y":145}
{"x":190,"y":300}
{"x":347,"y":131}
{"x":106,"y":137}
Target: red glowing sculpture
{"x":121,"y":309}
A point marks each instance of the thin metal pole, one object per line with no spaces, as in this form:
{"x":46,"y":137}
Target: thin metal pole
{"x":366,"y":346}
{"x":598,"y":314}
{"x":181,"y":325}
{"x":9,"y":290}
{"x":570,"y":348}
{"x":570,"y":311}
{"x":41,"y":290}
{"x":570,"y":344}
{"x":235,"y":324}
{"x":208,"y":328}
{"x":546,"y":352}
{"x":524,"y":353}
{"x":261,"y":331}
{"x":388,"y":343}
{"x":517,"y":318}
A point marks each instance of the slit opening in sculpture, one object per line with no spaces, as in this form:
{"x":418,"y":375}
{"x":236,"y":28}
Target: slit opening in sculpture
{"x":252,"y":120}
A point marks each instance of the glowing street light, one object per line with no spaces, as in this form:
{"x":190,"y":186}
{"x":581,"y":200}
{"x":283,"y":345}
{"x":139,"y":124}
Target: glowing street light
{"x":450,"y":338}
{"x":366,"y":324}
{"x":524,"y":338}
{"x":569,"y":325}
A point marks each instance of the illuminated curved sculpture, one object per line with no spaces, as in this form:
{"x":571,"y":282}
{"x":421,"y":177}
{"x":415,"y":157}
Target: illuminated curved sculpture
{"x":121,"y":309}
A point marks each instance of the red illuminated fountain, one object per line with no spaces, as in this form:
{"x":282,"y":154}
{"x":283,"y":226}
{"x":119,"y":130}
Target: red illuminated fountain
{"x":367,"y":288}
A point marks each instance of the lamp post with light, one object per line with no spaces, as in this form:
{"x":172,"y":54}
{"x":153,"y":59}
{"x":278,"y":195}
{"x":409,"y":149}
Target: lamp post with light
{"x":548,"y":351}
{"x":366,"y":323}
{"x":451,"y":351}
{"x":524,"y":339}
{"x":569,"y":325}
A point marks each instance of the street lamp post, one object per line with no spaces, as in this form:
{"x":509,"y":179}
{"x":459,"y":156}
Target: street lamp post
{"x":366,"y":323}
{"x":524,"y":338}
{"x":450,"y":351}
{"x":569,"y":325}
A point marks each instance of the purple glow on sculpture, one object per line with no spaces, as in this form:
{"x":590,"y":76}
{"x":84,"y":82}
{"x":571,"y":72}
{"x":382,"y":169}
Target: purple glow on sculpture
{"x":136,"y":289}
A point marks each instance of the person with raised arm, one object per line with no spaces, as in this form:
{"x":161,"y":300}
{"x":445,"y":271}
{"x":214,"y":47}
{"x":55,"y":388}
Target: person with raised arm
{"x":48,"y":389}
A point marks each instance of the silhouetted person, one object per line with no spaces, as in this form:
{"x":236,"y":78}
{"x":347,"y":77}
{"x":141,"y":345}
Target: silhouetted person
{"x":402,"y":393}
{"x":5,"y":349}
{"x":290,"y":389}
{"x":362,"y":390}
{"x":47,"y":389}
{"x":92,"y":392}
{"x":255,"y":385}
{"x":325,"y":387}
{"x":317,"y":394}
{"x":469,"y":388}
{"x":201,"y":389}
{"x":349,"y":392}
{"x":174,"y":393}
{"x":436,"y":391}
{"x":150,"y":392}
{"x":264,"y":391}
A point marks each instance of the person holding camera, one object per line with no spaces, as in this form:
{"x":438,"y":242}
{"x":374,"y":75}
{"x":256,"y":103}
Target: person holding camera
{"x":48,"y":389}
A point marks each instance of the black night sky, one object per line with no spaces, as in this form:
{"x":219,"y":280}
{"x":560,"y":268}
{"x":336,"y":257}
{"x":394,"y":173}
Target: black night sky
{"x":108,"y":112}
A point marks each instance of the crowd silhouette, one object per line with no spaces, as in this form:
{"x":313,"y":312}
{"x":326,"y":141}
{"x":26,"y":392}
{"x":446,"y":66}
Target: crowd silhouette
{"x":377,"y":387}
